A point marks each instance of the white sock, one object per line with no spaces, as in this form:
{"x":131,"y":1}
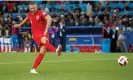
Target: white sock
{"x":6,"y":47}
{"x":28,"y":49}
{"x":9,"y":47}
{"x":2,"y":47}
{"x":25,"y":49}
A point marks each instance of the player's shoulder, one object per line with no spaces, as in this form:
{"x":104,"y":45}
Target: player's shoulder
{"x":29,"y":13}
{"x":42,"y":12}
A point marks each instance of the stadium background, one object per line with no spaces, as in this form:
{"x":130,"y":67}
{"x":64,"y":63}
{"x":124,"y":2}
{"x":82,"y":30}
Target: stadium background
{"x":80,"y":26}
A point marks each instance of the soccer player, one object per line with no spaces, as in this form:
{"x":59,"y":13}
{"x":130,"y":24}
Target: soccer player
{"x":2,"y":38}
{"x":7,"y":41}
{"x":40,"y":22}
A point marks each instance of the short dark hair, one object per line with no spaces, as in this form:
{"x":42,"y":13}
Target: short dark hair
{"x":32,"y":3}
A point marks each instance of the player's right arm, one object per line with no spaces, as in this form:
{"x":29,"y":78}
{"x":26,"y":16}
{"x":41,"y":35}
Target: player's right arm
{"x":22,"y":23}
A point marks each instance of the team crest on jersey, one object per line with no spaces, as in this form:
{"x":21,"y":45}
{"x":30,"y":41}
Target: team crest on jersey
{"x":37,"y":17}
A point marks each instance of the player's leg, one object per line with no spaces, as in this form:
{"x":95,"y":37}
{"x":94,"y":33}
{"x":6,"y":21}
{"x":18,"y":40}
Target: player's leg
{"x":2,"y":46}
{"x":25,"y":49}
{"x":9,"y":44}
{"x":45,"y":41}
{"x":6,"y":45}
{"x":38,"y":60}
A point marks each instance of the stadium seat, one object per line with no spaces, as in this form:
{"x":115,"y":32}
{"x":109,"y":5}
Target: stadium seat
{"x":83,"y":7}
{"x":121,"y":5}
{"x":48,"y":6}
{"x":130,"y":5}
{"x":130,"y":13}
{"x":122,"y":13}
{"x":112,"y":5}
{"x":57,"y":6}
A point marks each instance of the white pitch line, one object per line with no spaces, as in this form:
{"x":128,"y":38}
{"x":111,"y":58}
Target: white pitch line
{"x":26,"y":73}
{"x":57,"y":61}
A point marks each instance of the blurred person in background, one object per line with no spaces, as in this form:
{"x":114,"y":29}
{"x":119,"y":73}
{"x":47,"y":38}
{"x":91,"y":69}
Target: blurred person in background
{"x":53,"y":34}
{"x":77,"y":9}
{"x":27,"y":38}
{"x":52,"y":9}
{"x":1,"y":38}
{"x":107,"y":30}
{"x":18,"y":17}
{"x":121,"y":41}
{"x":4,"y":7}
{"x":83,"y":20}
{"x":20,"y":38}
{"x":15,"y":9}
{"x":23,"y":8}
{"x":14,"y":38}
{"x":98,"y":22}
{"x":62,"y":34}
{"x":33,"y":44}
{"x":70,"y":20}
{"x":7,"y":39}
{"x":10,"y":5}
{"x":114,"y":38}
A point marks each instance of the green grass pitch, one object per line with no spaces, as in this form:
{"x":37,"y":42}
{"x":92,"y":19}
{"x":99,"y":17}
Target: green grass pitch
{"x":68,"y":66}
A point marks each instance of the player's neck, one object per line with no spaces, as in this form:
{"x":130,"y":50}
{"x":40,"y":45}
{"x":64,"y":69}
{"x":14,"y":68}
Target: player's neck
{"x":34,"y":12}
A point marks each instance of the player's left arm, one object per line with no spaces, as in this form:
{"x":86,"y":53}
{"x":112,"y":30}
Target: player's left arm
{"x":48,"y":21}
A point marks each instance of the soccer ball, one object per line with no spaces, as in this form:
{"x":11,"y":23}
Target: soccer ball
{"x":122,"y":60}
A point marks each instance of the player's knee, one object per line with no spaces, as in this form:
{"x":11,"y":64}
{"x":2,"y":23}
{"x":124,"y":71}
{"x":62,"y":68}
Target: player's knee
{"x":42,"y":52}
{"x":44,"y":40}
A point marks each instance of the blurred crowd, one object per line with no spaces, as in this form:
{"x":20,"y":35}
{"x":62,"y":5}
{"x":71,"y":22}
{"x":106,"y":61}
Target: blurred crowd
{"x":110,"y":15}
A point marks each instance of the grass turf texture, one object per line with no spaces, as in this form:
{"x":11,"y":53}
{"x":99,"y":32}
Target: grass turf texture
{"x":68,"y":66}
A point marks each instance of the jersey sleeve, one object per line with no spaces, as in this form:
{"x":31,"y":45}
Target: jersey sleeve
{"x":44,"y":14}
{"x":28,"y":16}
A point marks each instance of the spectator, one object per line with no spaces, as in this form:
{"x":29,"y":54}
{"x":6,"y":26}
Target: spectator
{"x":100,"y":9}
{"x":53,"y":35}
{"x":18,"y":18}
{"x":130,"y":23}
{"x":52,"y":9}
{"x":62,"y":34}
{"x":70,"y":20}
{"x":15,"y":9}
{"x":121,"y":41}
{"x":114,"y":38}
{"x":32,"y":44}
{"x":4,"y":7}
{"x":77,"y":9}
{"x":126,"y":7}
{"x":14,"y":39}
{"x":98,"y":22}
{"x":125,"y":20}
{"x":20,"y":38}
{"x":27,"y":38}
{"x":117,"y":8}
{"x":7,"y":39}
{"x":2,"y":38}
{"x":83,"y":22}
{"x":23,"y":9}
{"x":11,"y":6}
{"x":91,"y":20}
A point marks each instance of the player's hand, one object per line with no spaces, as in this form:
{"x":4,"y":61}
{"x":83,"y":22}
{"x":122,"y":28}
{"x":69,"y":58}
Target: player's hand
{"x":45,"y":33}
{"x":17,"y":25}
